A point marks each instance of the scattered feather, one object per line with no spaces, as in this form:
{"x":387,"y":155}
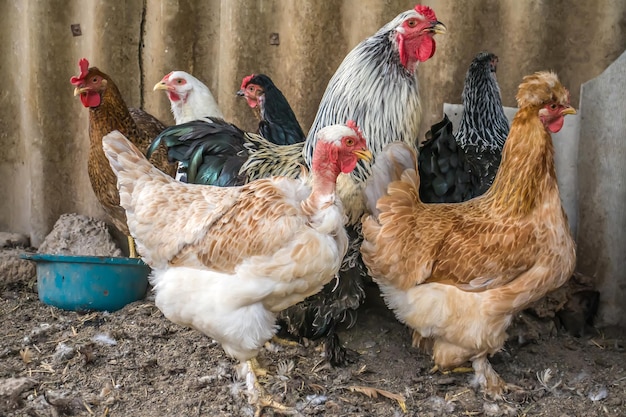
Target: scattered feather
{"x":285,"y":368}
{"x":375,"y":392}
{"x":104,"y":339}
{"x":545,"y":379}
{"x":598,"y":394}
{"x":26,"y":355}
{"x":316,"y":399}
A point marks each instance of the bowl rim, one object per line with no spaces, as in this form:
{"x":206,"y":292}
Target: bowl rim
{"x":48,"y":257}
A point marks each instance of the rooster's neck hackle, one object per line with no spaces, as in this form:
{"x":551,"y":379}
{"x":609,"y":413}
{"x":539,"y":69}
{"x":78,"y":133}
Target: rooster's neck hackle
{"x":527,"y":172}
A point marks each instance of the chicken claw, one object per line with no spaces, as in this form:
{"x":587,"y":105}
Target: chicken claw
{"x":460,"y":369}
{"x":257,"y":394}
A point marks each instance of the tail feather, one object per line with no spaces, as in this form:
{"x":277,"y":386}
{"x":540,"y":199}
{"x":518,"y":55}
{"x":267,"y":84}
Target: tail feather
{"x":395,"y":158}
{"x":128,"y":164}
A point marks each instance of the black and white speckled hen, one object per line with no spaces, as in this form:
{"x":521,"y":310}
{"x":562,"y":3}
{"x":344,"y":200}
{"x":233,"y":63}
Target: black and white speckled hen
{"x":460,"y":166}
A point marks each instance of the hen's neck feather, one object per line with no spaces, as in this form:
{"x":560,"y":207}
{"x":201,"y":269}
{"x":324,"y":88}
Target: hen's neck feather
{"x":527,"y":173}
{"x":200,"y":103}
{"x":483,"y":124}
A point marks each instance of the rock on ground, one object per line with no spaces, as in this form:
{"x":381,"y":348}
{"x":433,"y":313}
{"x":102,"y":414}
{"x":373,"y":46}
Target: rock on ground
{"x":75,"y":234}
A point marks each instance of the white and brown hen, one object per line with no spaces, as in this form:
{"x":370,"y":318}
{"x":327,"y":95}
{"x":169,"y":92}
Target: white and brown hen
{"x":456,"y":273}
{"x":226,"y":260}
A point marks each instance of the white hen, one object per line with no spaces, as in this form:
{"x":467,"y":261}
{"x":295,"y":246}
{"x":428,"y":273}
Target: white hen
{"x":189,"y":98}
{"x":226,"y":260}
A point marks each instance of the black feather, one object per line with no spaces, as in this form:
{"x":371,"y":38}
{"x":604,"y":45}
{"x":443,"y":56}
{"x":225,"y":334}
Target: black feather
{"x":211,"y":150}
{"x":457,"y":167}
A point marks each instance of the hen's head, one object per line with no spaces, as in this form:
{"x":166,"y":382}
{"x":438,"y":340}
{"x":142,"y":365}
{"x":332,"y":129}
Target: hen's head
{"x":89,"y":84}
{"x":414,"y":35}
{"x":338,"y":149}
{"x":253,"y":88}
{"x":543,"y":91}
{"x":178,"y":85}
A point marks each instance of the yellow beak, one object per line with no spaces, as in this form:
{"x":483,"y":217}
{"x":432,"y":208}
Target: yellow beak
{"x":364,"y":154}
{"x":160,"y":86}
{"x":569,"y":110}
{"x":438,"y":28}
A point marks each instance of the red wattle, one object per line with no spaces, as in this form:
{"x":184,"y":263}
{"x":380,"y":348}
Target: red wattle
{"x":556,"y":125}
{"x":90,"y":99}
{"x":426,"y":49}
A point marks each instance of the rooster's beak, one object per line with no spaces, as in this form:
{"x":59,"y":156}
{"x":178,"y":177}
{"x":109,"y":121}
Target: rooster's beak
{"x":364,"y":154}
{"x":160,"y":86}
{"x":438,"y":28}
{"x":240,"y":93}
{"x":568,"y":110}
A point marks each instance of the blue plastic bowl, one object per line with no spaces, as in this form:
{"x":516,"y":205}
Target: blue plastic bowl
{"x":82,"y":283}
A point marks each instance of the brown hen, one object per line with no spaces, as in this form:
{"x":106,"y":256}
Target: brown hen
{"x":456,"y":273}
{"x":109,"y":112}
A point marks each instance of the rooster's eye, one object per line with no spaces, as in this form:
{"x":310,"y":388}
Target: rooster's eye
{"x":349,"y":142}
{"x":411,"y":23}
{"x":553,"y":106}
{"x":179,"y":81}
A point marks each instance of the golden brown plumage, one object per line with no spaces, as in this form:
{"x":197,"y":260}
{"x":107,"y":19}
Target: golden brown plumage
{"x":109,"y":112}
{"x":456,"y":273}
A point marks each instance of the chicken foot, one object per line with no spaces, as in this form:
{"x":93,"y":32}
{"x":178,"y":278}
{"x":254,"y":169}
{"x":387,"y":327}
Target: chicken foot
{"x":132,"y":249}
{"x":257,"y":394}
{"x":492,"y":384}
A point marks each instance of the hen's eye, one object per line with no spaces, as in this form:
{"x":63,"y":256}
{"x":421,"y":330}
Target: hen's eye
{"x":553,"y":106}
{"x":179,"y":81}
{"x":95,"y":79}
{"x":349,"y":142}
{"x":411,"y":23}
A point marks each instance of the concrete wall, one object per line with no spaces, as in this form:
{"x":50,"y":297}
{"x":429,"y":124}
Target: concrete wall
{"x":602,"y":189}
{"x":43,"y":128}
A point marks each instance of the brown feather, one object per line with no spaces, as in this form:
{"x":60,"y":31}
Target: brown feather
{"x":457,"y":272}
{"x":137,"y":125}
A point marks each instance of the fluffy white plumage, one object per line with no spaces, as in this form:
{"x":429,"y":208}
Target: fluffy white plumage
{"x":190,"y":99}
{"x":226,"y":260}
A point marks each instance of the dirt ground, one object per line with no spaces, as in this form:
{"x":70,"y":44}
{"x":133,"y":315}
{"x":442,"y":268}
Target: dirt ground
{"x":134,"y":362}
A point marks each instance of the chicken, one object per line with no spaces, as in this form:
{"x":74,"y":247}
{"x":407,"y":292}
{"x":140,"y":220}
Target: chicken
{"x":457,"y":273}
{"x":108,"y":112}
{"x":225,"y":261}
{"x":376,"y":85}
{"x":455,"y":168}
{"x":190,"y":99}
{"x":277,"y":121}
{"x":218,"y":153}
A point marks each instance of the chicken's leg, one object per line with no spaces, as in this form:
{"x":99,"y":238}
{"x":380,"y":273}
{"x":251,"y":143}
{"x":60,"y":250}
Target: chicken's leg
{"x":258,"y":396}
{"x":132,"y":250}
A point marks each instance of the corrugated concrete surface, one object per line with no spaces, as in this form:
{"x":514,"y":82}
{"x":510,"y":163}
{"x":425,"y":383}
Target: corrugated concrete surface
{"x":602,"y":189}
{"x":43,"y":128}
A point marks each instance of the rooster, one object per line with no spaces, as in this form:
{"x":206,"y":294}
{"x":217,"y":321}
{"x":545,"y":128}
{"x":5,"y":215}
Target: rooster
{"x":109,"y":112}
{"x":457,"y":273}
{"x":455,"y":168}
{"x":225,"y":261}
{"x":376,"y":85}
{"x":277,"y":121}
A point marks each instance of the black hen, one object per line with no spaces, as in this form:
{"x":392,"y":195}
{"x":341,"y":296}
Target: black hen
{"x":458,"y":167}
{"x":277,"y":121}
{"x":209,"y":150}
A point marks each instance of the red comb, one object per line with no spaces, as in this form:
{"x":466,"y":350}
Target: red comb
{"x":352,"y":125}
{"x":426,"y":11}
{"x":246,"y":80}
{"x":84,"y":68}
